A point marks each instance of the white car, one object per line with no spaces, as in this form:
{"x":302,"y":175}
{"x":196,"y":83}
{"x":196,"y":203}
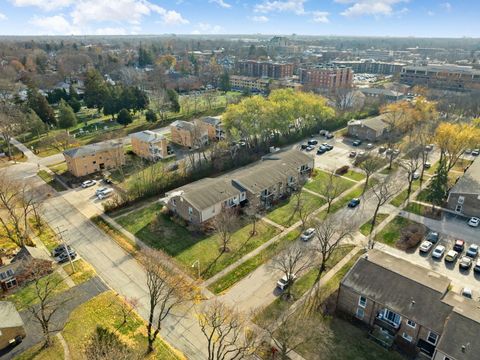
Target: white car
{"x":105,"y":194}
{"x":100,"y":190}
{"x":307,"y":234}
{"x":416,"y":175}
{"x":284,"y":282}
{"x":88,"y":183}
{"x":474,"y":222}
{"x":438,"y":252}
{"x":425,"y":246}
{"x":369,"y":146}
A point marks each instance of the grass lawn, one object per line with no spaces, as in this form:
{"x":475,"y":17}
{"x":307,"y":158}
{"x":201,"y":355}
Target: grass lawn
{"x":391,"y":232}
{"x":400,"y":198}
{"x":250,"y":265}
{"x":25,"y":296}
{"x":158,"y":231}
{"x":366,"y":228}
{"x":60,"y":168}
{"x":322,"y":177}
{"x":83,"y":271}
{"x":423,"y":210}
{"x":302,"y":285}
{"x":354,"y":175}
{"x":124,"y":242}
{"x":387,"y":171}
{"x":7,"y":245}
{"x":50,"y":180}
{"x":46,"y":234}
{"x":461,"y":165}
{"x":37,"y":352}
{"x":432,"y":168}
{"x":283,"y":213}
{"x":104,"y":310}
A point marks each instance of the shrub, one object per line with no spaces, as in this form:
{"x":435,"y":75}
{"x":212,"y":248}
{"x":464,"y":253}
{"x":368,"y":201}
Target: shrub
{"x":342,"y":170}
{"x":411,"y":236}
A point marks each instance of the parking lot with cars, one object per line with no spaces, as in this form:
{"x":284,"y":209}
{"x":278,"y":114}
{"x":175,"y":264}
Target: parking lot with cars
{"x":95,"y":192}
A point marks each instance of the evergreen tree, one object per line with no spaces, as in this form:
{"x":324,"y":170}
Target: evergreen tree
{"x":150,"y":115}
{"x":173,"y":98}
{"x":66,"y":116}
{"x":75,"y":104}
{"x":438,"y":187}
{"x":38,"y":103}
{"x":72,"y":92}
{"x":124,"y":117}
{"x":225,"y":84}
{"x":95,"y":89}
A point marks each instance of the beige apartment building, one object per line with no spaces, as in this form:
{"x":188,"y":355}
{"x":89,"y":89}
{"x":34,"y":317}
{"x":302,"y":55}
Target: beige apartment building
{"x":150,"y":145}
{"x":89,"y":159}
{"x":188,"y":134}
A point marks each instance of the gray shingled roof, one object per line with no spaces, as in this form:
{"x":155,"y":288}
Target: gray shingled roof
{"x":183,"y":125}
{"x":401,"y":286}
{"x":92,"y":149}
{"x":469,"y":182}
{"x":272,"y":169}
{"x":9,"y":316}
{"x":376,"y":123}
{"x":211,"y":120}
{"x":147,"y":136}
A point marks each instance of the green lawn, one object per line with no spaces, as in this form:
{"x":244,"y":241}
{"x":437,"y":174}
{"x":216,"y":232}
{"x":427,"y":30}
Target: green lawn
{"x":322,"y":177}
{"x":50,"y":180}
{"x":60,"y":168}
{"x":387,"y":171}
{"x":284,"y":214}
{"x":301,"y":286}
{"x":45,"y":233}
{"x":400,"y":198}
{"x":423,"y":210}
{"x":104,"y":310}
{"x":83,"y":271}
{"x":124,"y":242}
{"x":25,"y":296}
{"x":354,"y":175}
{"x":158,"y":231}
{"x":366,"y":228}
{"x":391,"y":232}
{"x":250,"y":265}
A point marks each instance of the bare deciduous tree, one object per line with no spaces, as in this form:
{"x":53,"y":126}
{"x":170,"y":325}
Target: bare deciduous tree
{"x":167,"y":290}
{"x":382,"y":192}
{"x":11,"y":122}
{"x":330,"y":189}
{"x":369,"y":164}
{"x":301,"y":208}
{"x":225,"y":224}
{"x":292,"y":261}
{"x":106,"y":345}
{"x":227,"y":333}
{"x":59,"y":142}
{"x":411,"y":163}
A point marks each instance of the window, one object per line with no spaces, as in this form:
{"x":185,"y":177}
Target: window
{"x":391,"y":317}
{"x":407,"y":337}
{"x":174,"y":202}
{"x":360,"y":313}
{"x":432,"y":338}
{"x":190,"y":210}
{"x":10,"y":283}
{"x":411,"y":323}
{"x":362,"y":301}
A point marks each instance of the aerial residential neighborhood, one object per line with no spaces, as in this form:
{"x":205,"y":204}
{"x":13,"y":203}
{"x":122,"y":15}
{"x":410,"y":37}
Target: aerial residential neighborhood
{"x":221,"y":180}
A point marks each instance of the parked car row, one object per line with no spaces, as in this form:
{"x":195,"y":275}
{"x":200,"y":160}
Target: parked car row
{"x":466,"y":261}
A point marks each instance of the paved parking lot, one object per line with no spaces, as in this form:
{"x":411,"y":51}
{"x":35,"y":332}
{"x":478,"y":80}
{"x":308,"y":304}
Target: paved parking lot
{"x":85,"y":200}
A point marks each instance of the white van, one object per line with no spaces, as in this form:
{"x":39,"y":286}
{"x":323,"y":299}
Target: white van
{"x":105,"y":194}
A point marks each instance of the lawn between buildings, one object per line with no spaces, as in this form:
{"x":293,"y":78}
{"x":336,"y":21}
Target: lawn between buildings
{"x":391,"y":233}
{"x":160,"y":232}
{"x":321,"y":178}
{"x":50,"y":180}
{"x":105,"y":310}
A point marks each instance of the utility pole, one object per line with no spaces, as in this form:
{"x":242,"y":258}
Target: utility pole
{"x":60,"y":234}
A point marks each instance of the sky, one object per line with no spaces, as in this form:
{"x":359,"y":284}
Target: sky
{"x":420,"y":18}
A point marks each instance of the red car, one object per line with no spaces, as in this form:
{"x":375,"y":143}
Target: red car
{"x":459,"y":246}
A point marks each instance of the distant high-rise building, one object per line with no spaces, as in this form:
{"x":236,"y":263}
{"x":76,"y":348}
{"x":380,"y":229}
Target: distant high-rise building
{"x":274,"y":70}
{"x":326,"y":77}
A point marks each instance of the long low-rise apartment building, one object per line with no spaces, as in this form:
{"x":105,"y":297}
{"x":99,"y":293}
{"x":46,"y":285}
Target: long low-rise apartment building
{"x":260,"y":185}
{"x":410,"y":308}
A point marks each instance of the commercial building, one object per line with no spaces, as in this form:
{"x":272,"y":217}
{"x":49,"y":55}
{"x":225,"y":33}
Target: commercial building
{"x":382,"y":94}
{"x":409,"y":308}
{"x":464,"y":196}
{"x":274,"y":70}
{"x":89,"y":159}
{"x":258,"y":185}
{"x":372,"y":67}
{"x":328,"y":78}
{"x":371,"y":129}
{"x":445,"y":76}
{"x":12,"y":329}
{"x":150,"y":145}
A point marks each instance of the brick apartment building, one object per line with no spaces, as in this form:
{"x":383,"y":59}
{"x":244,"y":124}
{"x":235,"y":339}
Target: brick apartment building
{"x":274,"y":70}
{"x":410,"y":308}
{"x":443,"y":76}
{"x":328,"y":78}
{"x":150,"y":145}
{"x":372,"y":67}
{"x":89,"y":159}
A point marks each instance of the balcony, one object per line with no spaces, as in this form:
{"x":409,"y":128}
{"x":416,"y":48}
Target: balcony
{"x":386,"y":324}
